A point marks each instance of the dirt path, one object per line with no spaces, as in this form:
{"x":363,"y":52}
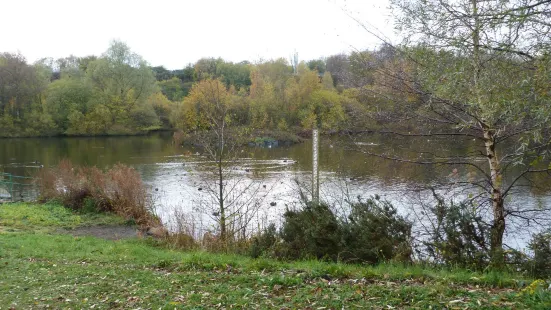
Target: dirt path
{"x":105,"y":232}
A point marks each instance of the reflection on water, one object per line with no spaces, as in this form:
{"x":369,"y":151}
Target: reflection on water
{"x":176,"y":173}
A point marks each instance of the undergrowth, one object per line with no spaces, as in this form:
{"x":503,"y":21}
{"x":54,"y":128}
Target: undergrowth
{"x":119,"y":190}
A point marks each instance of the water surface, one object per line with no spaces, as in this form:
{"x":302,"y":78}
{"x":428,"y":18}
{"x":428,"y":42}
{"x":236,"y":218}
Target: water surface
{"x":179,"y":177}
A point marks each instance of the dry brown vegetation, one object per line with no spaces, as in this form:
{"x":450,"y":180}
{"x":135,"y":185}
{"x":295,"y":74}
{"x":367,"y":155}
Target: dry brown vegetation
{"x":119,"y":190}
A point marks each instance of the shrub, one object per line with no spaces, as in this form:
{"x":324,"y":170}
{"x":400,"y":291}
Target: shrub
{"x":313,"y":232}
{"x":374,"y":232}
{"x":263,"y":243}
{"x":458,"y":236}
{"x":541,"y":263}
{"x":119,"y":190}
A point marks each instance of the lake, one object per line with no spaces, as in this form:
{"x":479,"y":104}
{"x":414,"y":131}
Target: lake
{"x":179,"y":177}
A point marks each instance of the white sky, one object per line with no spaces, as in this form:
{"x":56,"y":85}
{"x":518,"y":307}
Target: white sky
{"x":174,"y":33}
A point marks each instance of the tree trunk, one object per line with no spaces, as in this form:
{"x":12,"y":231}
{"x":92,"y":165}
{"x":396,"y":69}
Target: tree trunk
{"x":221,"y":202}
{"x":498,"y":225}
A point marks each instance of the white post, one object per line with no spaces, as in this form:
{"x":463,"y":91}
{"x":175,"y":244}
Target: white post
{"x":315,"y":170}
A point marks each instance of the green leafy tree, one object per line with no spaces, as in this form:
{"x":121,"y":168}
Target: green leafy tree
{"x":317,"y":65}
{"x":163,"y":108}
{"x":237,"y":74}
{"x":262,"y":101}
{"x":120,"y":79}
{"x":207,"y":68}
{"x":480,"y":69}
{"x":324,"y":110}
{"x":65,"y":96}
{"x":144,"y":117}
{"x":277,"y":72}
{"x":172,"y":89}
{"x":161,"y":73}
{"x":185,"y":75}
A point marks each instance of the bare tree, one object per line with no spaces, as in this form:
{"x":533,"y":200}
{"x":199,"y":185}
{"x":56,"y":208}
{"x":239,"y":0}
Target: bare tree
{"x":232,"y":199}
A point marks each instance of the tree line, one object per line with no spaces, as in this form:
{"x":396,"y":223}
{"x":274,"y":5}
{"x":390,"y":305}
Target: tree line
{"x":119,"y":93}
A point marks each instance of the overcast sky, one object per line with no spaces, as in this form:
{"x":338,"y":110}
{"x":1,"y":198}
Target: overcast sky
{"x":174,"y":33}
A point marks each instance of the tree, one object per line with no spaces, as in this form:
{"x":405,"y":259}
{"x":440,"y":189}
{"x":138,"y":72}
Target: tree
{"x":20,"y":85}
{"x":238,"y":75}
{"x":163,"y":108}
{"x":263,"y":101}
{"x":317,"y":65}
{"x":120,"y":78}
{"x":479,"y":70}
{"x":65,"y":96}
{"x":186,"y":74}
{"x":231,"y":200}
{"x":161,"y":73}
{"x":84,"y":62}
{"x":327,"y":81}
{"x":338,"y":66}
{"x":172,"y":89}
{"x":323,"y":110}
{"x":277,"y":72}
{"x":207,"y":68}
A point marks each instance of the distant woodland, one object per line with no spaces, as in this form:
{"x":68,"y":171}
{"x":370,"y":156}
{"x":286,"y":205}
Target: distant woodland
{"x":118,"y":93}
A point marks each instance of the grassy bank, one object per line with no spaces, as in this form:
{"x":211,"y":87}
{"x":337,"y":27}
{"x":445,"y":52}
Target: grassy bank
{"x":47,"y":218}
{"x":42,"y":268}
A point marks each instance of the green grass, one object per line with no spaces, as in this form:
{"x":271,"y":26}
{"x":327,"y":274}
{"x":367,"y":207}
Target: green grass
{"x":39,"y":270}
{"x":47,"y":217}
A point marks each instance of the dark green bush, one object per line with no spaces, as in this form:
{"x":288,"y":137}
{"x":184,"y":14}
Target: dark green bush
{"x":314,"y":232}
{"x":541,"y":263}
{"x":536,"y":264}
{"x":372,"y":232}
{"x":458,"y":236}
{"x":375,"y":232}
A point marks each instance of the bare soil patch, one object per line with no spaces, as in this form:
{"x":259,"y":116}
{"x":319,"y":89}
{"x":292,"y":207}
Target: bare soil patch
{"x":105,"y":232}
